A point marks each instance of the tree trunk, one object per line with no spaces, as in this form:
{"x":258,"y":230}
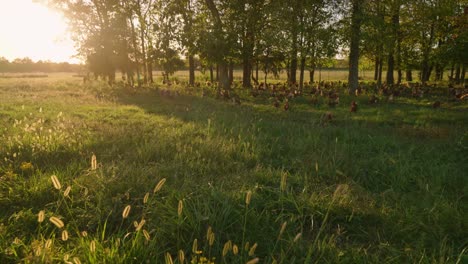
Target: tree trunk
{"x":301,"y":76}
{"x":354,"y":47}
{"x":246,"y":73}
{"x":292,"y":74}
{"x":396,"y":22}
{"x":409,"y":76}
{"x":452,"y":69}
{"x":376,"y":68}
{"x":217,"y":72}
{"x":379,"y":77}
{"x":224,"y":76}
{"x":191,"y":70}
{"x":256,"y":71}
{"x":390,"y":68}
{"x":150,"y":71}
{"x":135,"y":48}
{"x":211,"y":74}
{"x":439,"y":72}
{"x":463,"y":73}
{"x":231,"y":72}
{"x":457,"y":74}
{"x":143,"y":55}
{"x":311,"y":75}
{"x":425,"y":67}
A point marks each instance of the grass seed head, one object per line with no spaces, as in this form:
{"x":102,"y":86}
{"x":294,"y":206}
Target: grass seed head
{"x":195,"y":246}
{"x":253,"y":261}
{"x":145,"y":199}
{"x":180,"y":208}
{"x":147,"y":235}
{"x":41,"y":216}
{"x":284,"y":177}
{"x":56,"y":182}
{"x":92,"y":246}
{"x":227,"y":247}
{"x":248,"y":197}
{"x":208,"y":232}
{"x":159,"y":185}
{"x":67,"y":191}
{"x":48,"y":244}
{"x":64,"y":235}
{"x":212,"y":239}
{"x":93,"y":162}
{"x":181,"y":256}
{"x":140,"y":225}
{"x":57,"y":222}
{"x":283,"y":227}
{"x":84,"y":233}
{"x":169,"y":258}
{"x":126,"y":211}
{"x":297,"y":237}
{"x":76,"y":260}
{"x":235,"y":249}
{"x":252,"y":249}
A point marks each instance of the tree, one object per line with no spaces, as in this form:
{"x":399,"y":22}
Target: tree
{"x":356,"y":19}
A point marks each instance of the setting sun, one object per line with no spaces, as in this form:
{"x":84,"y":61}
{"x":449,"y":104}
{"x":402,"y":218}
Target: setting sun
{"x":29,"y":29}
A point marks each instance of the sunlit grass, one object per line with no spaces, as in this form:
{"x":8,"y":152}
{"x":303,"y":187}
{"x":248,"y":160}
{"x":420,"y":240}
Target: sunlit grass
{"x":103,"y":175}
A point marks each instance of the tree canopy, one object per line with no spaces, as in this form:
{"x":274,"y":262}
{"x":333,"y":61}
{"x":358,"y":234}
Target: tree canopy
{"x":134,"y":37}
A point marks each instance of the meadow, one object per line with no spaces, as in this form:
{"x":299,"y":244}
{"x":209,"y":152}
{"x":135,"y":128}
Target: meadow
{"x":96,"y":174}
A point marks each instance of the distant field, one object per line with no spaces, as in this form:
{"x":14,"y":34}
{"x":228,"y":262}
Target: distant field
{"x":99,"y":174}
{"x":326,"y":75}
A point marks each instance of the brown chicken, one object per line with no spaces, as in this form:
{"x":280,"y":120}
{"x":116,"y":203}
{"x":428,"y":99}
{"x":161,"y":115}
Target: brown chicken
{"x":353,"y":108}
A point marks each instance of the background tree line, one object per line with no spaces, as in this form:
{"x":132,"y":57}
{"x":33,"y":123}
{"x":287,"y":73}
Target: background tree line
{"x":27,"y":65}
{"x":420,"y":38}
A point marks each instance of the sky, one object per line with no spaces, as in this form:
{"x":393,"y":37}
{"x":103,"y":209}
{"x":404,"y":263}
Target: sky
{"x":29,"y":29}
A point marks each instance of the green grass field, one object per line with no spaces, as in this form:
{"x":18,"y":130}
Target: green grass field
{"x":192,"y":179}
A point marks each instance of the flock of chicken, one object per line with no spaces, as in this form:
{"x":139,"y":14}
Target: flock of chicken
{"x":281,"y":94}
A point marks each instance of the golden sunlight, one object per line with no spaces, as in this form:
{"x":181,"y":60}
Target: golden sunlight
{"x":29,"y":29}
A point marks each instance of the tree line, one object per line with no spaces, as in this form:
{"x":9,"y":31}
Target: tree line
{"x":24,"y":65}
{"x":428,"y":37}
